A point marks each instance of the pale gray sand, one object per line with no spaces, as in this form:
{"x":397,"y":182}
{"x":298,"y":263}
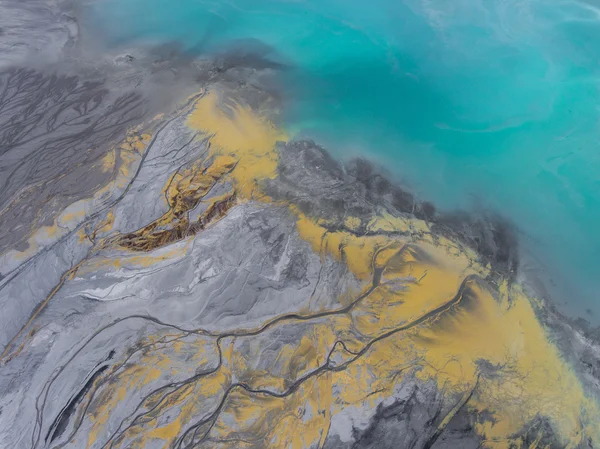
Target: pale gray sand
{"x":231,"y":330}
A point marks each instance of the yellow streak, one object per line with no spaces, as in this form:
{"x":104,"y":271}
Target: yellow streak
{"x":490,"y":333}
{"x":242,"y":134}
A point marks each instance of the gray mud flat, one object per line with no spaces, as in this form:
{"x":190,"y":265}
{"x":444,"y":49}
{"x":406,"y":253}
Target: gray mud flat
{"x":159,"y":288}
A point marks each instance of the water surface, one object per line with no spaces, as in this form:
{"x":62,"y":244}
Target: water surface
{"x":473,"y":103}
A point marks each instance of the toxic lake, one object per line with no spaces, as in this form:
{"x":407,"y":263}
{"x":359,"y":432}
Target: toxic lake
{"x":474,"y":105}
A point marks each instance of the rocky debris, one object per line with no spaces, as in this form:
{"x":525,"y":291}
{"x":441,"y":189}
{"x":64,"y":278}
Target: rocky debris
{"x":322,"y":187}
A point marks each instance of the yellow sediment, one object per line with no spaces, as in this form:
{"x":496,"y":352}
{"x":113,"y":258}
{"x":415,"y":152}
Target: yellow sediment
{"x":498,"y":326}
{"x":434,"y":315}
{"x":486,"y":349}
{"x":183,"y":193}
{"x":352,"y":223}
{"x":242,"y":134}
{"x":109,"y":161}
{"x":76,"y":213}
{"x":66,"y":221}
{"x":133,"y":261}
{"x":162,"y":357}
{"x":531,"y":376}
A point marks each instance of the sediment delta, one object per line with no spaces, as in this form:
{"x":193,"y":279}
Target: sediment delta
{"x":195,"y":277}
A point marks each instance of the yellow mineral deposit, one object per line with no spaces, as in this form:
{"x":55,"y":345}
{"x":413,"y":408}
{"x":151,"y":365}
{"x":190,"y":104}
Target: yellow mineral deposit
{"x":73,"y":215}
{"x":487,"y":328}
{"x":427,"y":309}
{"x":183,"y":193}
{"x":109,"y":161}
{"x":531,"y":377}
{"x":134,"y":261}
{"x":68,"y":220}
{"x":242,"y":134}
{"x":130,"y":155}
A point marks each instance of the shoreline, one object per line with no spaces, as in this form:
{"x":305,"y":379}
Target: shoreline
{"x":217,"y":281}
{"x":486,"y":232}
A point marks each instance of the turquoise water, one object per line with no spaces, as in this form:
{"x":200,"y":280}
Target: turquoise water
{"x":474,"y":103}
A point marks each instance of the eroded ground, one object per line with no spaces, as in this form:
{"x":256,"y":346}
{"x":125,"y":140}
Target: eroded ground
{"x":225,"y":286}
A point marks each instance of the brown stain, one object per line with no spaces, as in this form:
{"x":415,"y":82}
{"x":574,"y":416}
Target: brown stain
{"x":437,"y":331}
{"x":431,"y":316}
{"x":426,"y":316}
{"x":185,"y":191}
